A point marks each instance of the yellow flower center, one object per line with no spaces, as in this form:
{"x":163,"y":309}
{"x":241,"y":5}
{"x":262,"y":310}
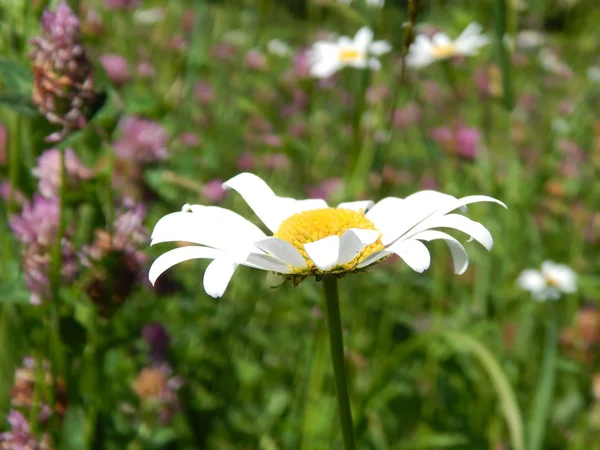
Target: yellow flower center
{"x":552,"y":282}
{"x":317,"y":224}
{"x":443,"y":51}
{"x":349,"y":55}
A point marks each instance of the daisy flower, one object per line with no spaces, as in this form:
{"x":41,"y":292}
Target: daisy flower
{"x":310,"y":238}
{"x":326,"y":58}
{"x":373,"y":3}
{"x":550,"y":282}
{"x":425,"y":50}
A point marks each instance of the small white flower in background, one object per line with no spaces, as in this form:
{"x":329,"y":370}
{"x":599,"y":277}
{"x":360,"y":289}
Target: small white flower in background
{"x":550,"y":282}
{"x":374,"y":3}
{"x":424,"y":50}
{"x":530,"y":39}
{"x":326,"y":58}
{"x":593,"y":74}
{"x":550,"y":61}
{"x":560,"y":125}
{"x":278,"y":47}
{"x":310,"y":238}
{"x":149,"y":16}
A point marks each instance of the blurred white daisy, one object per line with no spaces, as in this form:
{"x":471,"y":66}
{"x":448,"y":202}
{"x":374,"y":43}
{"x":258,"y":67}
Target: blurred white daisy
{"x":550,"y":282}
{"x":310,"y":238}
{"x":530,"y":39}
{"x":551,"y":62}
{"x":149,"y":16}
{"x":424,"y":50}
{"x":326,"y":58}
{"x":278,"y":47}
{"x":593,"y":74}
{"x":374,"y":3}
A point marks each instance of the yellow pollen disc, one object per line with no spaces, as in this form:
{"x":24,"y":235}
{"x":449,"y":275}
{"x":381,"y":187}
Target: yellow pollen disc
{"x":349,"y":55}
{"x":443,"y":51}
{"x":552,"y":282}
{"x":312,"y":226}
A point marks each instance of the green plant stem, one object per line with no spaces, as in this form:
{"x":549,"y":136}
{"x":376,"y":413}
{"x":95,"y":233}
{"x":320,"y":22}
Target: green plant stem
{"x":336,"y":343}
{"x":542,"y":403}
{"x":14,"y":163}
{"x":361,"y":155}
{"x":55,"y":344}
{"x":500,"y":25}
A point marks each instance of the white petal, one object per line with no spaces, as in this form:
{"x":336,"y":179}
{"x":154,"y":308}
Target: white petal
{"x":259,"y":196}
{"x":283,"y":250}
{"x":374,"y":64}
{"x":414,"y":253}
{"x":441,"y":39}
{"x":358,"y":206}
{"x":325,"y":67}
{"x":266,"y":262}
{"x":458,"y":222}
{"x":384,"y":215}
{"x":270,"y":208}
{"x":379,"y":48}
{"x":353,"y":241}
{"x":298,"y":206}
{"x":363,"y":38}
{"x":217,"y":276}
{"x":344,"y":41}
{"x":207,"y":225}
{"x":562,"y":276}
{"x":533,"y":281}
{"x":473,"y":29}
{"x":172,"y":257}
{"x":459,"y":254}
{"x":374,"y":258}
{"x":324,"y":253}
{"x":394,"y":216}
{"x":459,"y":203}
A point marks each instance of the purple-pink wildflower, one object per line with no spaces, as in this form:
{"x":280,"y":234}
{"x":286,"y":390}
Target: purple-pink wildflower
{"x":48,"y":171}
{"x":158,"y":340}
{"x":116,"y":67}
{"x":142,"y":140}
{"x":63,"y":76}
{"x":20,"y":437}
{"x":213,"y":191}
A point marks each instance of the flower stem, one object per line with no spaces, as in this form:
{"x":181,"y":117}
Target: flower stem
{"x":336,"y":343}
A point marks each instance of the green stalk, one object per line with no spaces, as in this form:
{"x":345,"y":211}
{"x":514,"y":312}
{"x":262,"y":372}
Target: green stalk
{"x":500,"y":24}
{"x":336,"y":343}
{"x":55,"y":271}
{"x":361,"y":155}
{"x":55,"y":344}
{"x":14,"y":162}
{"x":542,"y":403}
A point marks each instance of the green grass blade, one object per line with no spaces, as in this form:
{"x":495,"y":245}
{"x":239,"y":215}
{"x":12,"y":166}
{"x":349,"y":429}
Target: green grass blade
{"x":506,"y":395}
{"x":543,"y":397}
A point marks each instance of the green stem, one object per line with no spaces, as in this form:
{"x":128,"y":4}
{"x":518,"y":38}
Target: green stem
{"x":14,"y":164}
{"x":361,"y":155}
{"x":336,"y":343}
{"x":55,"y":344}
{"x":542,"y":403}
{"x":500,"y":24}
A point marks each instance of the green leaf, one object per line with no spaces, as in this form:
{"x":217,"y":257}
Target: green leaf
{"x":506,"y":395}
{"x":74,"y":427}
{"x":19,"y":103}
{"x":16,"y":77}
{"x":13,"y":289}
